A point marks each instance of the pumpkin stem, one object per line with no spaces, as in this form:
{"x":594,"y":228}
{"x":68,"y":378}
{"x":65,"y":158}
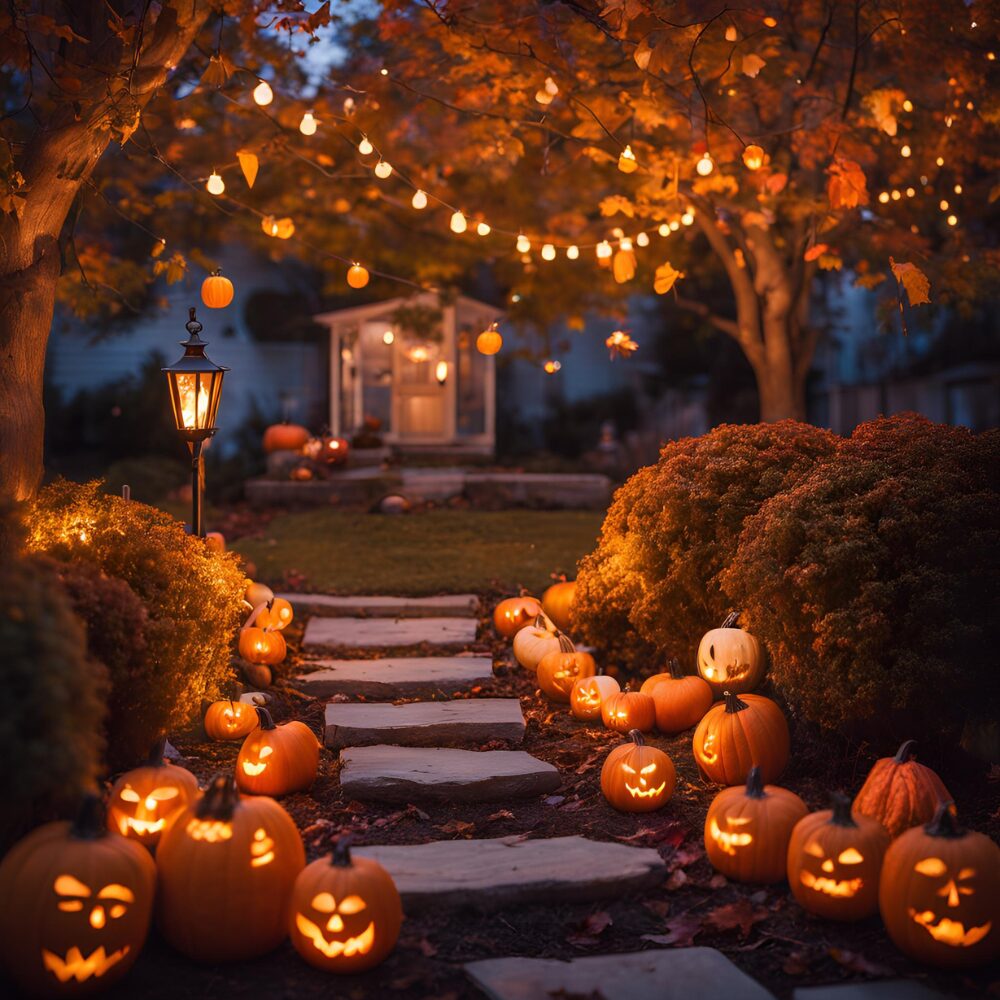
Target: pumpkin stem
{"x":945,"y":823}
{"x":636,"y":737}
{"x":730,"y":620}
{"x":905,"y":753}
{"x":89,"y":823}
{"x":341,"y":857}
{"x":841,"y":806}
{"x":155,"y":758}
{"x":264,"y":719}
{"x":755,"y":783}
{"x":219,"y":801}
{"x":565,"y":643}
{"x":674,"y":666}
{"x":733,"y":703}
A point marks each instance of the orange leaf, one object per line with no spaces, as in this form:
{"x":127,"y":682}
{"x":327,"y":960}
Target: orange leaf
{"x":847,"y":187}
{"x":916,"y":283}
{"x":248,"y":164}
{"x":666,"y":277}
{"x":753,"y":64}
{"x":815,"y":251}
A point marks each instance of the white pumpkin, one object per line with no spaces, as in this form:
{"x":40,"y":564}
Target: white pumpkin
{"x":730,"y":659}
{"x":534,"y":641}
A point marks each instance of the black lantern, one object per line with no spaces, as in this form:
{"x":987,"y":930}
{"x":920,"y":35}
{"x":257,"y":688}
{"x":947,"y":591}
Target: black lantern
{"x":195,"y":384}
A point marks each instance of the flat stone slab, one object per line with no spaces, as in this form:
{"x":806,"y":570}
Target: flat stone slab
{"x":458,"y":605}
{"x":490,"y":874}
{"x":406,"y":774}
{"x":664,"y":974}
{"x":886,"y":989}
{"x":397,"y":677}
{"x":464,"y":722}
{"x":330,"y":633}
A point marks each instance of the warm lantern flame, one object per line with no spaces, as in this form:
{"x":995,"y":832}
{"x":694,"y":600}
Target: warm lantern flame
{"x":194,"y":400}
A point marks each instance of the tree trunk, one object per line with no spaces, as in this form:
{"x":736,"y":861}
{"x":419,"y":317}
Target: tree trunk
{"x":780,"y":376}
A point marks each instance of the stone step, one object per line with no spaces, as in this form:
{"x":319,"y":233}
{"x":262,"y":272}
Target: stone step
{"x":444,"y":605}
{"x":408,"y":774}
{"x":396,"y":677}
{"x":371,"y":633}
{"x":885,"y":989}
{"x":660,"y":974}
{"x":491,"y":874}
{"x":463,"y":722}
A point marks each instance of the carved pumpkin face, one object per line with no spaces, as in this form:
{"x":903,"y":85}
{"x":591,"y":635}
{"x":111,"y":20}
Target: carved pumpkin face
{"x":559,"y":671}
{"x":943,"y":921}
{"x":513,"y":614}
{"x":276,"y":760}
{"x":733,"y":834}
{"x":260,"y":645}
{"x":587,"y":695}
{"x":277,"y":615}
{"x":230,"y":720}
{"x":730,"y":660}
{"x":336,"y":928}
{"x":831,"y":876}
{"x":627,"y":711}
{"x":636,"y":777}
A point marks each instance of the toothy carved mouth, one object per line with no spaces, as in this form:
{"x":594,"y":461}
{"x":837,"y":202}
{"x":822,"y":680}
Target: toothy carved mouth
{"x":143,"y":827}
{"x":360,"y":945}
{"x":831,"y":886}
{"x":728,"y":842}
{"x":75,"y":966}
{"x":949,"y":931}
{"x":649,"y":793}
{"x":253,"y":769}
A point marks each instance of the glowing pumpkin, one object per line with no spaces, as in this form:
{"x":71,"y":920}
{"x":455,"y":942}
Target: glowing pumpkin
{"x":276,"y":615}
{"x":514,"y":613}
{"x":559,"y":670}
{"x":230,"y":720}
{"x":730,"y":659}
{"x":680,"y":700}
{"x":489,"y":341}
{"x":738,"y":733}
{"x":262,"y":645}
{"x":747,"y":830}
{"x":834,"y":860}
{"x":346,"y":912}
{"x":557,"y":602}
{"x":277,"y":760}
{"x":588,"y":694}
{"x":77,"y":903}
{"x":333,"y":450}
{"x":216,"y":291}
{"x":534,"y":641}
{"x":939,"y":894}
{"x":637,"y":777}
{"x":628,"y":710}
{"x":357,"y":276}
{"x":285,"y":437}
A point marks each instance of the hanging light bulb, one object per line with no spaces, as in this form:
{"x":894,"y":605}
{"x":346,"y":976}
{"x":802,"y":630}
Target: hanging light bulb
{"x":674,"y":225}
{"x":688,"y":217}
{"x":365,"y":148}
{"x":383,"y":169}
{"x":905,"y":151}
{"x":388,"y":338}
{"x":419,"y":199}
{"x":625,"y":244}
{"x":705,"y":165}
{"x":548,"y":251}
{"x":664,"y":229}
{"x":952,"y":220}
{"x":523,"y":243}
{"x":603,"y":250}
{"x":883,"y":197}
{"x":262,"y":94}
{"x":753,"y":157}
{"x":483,"y":228}
{"x":573,"y":252}
{"x":215,"y":185}
{"x":458,"y":223}
{"x":943,"y":204}
{"x":626,"y":162}
{"x":642,"y":240}
{"x":308,"y":124}
{"x":441,"y":372}
{"x":551,"y":367}
{"x":910,"y":192}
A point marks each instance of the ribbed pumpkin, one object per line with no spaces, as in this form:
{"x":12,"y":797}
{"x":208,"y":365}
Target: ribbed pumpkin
{"x":939,"y":894}
{"x":285,"y":437}
{"x":230,"y":720}
{"x":357,"y":276}
{"x":534,"y":641}
{"x":637,"y":777}
{"x":628,"y":710}
{"x":259,"y":645}
{"x":277,"y":614}
{"x":747,"y":830}
{"x":345,"y":913}
{"x":77,"y":902}
{"x":730,"y":659}
{"x":834,"y":860}
{"x":226,"y":870}
{"x":901,"y":793}
{"x":680,"y":700}
{"x":277,"y":760}
{"x":557,"y":602}
{"x":738,"y":733}
{"x":558,"y":671}
{"x":514,"y":613}
{"x":216,"y":291}
{"x":588,"y":694}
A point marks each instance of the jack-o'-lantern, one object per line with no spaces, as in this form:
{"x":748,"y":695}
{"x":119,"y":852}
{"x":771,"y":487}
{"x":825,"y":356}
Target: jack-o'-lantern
{"x":276,"y":615}
{"x":77,"y":903}
{"x":737,"y":733}
{"x":747,"y":830}
{"x":588,"y":694}
{"x":901,"y":793}
{"x":262,"y":645}
{"x":145,"y":800}
{"x":285,"y":437}
{"x":730,"y":659}
{"x":230,"y":720}
{"x":637,"y":777}
{"x":333,"y":450}
{"x":939,"y":894}
{"x":534,"y":641}
{"x":257,"y":594}
{"x":346,"y":912}
{"x":680,"y":700}
{"x":277,"y":760}
{"x":557,"y":602}
{"x":558,"y":671}
{"x":226,"y":870}
{"x":834,"y":860}
{"x":514,"y":613}
{"x":628,"y":710}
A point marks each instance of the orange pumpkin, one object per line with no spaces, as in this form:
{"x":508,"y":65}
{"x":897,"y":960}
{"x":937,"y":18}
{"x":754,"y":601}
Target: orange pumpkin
{"x":747,"y":830}
{"x":277,"y":760}
{"x":559,"y":670}
{"x":230,"y":720}
{"x":489,"y":341}
{"x":276,"y":615}
{"x":681,"y":700}
{"x":588,"y":694}
{"x":216,"y":291}
{"x":637,"y":777}
{"x":512,"y":614}
{"x":628,"y":710}
{"x":834,"y":860}
{"x":730,"y":659}
{"x":215,"y":541}
{"x":285,"y":437}
{"x":257,"y":594}
{"x":357,"y":276}
{"x":260,"y":645}
{"x":557,"y":602}
{"x":939,"y":894}
{"x":738,"y":733}
{"x":901,"y":793}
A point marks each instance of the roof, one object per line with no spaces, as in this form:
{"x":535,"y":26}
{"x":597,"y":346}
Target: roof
{"x":373,"y":310}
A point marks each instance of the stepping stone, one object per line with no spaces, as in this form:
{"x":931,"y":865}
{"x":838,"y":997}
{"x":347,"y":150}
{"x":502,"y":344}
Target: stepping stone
{"x":326,"y":633}
{"x":466,"y":722}
{"x":491,"y":874}
{"x":397,"y":677}
{"x":406,"y":774}
{"x":887,"y":989}
{"x":663,"y":974}
{"x":458,"y":605}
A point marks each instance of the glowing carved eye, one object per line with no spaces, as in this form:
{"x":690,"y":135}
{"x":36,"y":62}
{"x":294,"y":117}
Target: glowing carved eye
{"x":71,"y":905}
{"x":628,"y":769}
{"x":115,"y":891}
{"x":932,"y":867}
{"x":850,"y":857}
{"x":128,"y":795}
{"x":117,"y":911}
{"x":967,"y":873}
{"x":66,"y":885}
{"x":648,"y":769}
{"x":164,"y":794}
{"x":351,"y":905}
{"x":815,"y":850}
{"x":266,"y":752}
{"x":324,"y":902}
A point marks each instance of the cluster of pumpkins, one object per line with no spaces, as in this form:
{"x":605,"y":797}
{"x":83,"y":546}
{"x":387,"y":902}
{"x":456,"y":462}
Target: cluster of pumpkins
{"x":261,"y":643}
{"x":327,"y":449}
{"x":897,"y":849}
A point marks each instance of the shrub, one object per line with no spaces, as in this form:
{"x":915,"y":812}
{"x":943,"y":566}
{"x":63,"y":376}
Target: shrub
{"x":191,"y":596}
{"x":674,"y":527}
{"x":872,"y":582}
{"x":150,"y":477}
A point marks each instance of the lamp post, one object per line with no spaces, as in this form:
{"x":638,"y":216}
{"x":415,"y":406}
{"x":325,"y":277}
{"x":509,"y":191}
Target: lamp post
{"x":195,"y":384}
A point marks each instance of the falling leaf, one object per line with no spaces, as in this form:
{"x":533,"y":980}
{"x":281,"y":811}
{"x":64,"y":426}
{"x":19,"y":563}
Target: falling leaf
{"x":815,"y":251}
{"x":158,"y":247}
{"x":752,"y":64}
{"x":869,"y":281}
{"x":742,"y":915}
{"x":617,"y":203}
{"x":248,"y":164}
{"x":217,"y":72}
{"x":775,"y":183}
{"x":847,"y":187}
{"x":880,"y":103}
{"x":918,"y":288}
{"x":830,"y":262}
{"x":665,"y":278}
{"x":173,"y":269}
{"x":854,"y":961}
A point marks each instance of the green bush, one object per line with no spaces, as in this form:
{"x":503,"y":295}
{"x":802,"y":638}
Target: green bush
{"x":873,"y":581}
{"x":149,"y":477}
{"x":674,"y":527}
{"x":191,"y":596}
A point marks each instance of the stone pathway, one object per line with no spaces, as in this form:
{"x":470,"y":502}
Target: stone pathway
{"x":373,"y":633}
{"x":448,"y":605}
{"x":397,"y":677}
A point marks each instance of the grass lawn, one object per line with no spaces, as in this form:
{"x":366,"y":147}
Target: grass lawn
{"x":438,"y":551}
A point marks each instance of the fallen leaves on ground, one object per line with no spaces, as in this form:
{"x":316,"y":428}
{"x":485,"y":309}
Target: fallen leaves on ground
{"x":742,"y":915}
{"x":854,"y":961}
{"x":458,"y":826}
{"x":587,"y":934}
{"x":681,"y":931}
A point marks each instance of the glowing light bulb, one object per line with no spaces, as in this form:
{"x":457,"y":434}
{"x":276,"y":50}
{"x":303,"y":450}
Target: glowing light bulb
{"x":483,"y":228}
{"x":958,"y":189}
{"x":910,"y":192}
{"x":907,"y":105}
{"x":943,"y":204}
{"x":383,"y":169}
{"x":548,"y":252}
{"x":573,"y":252}
{"x":664,"y":229}
{"x":952,"y":220}
{"x":551,"y":367}
{"x":441,"y":372}
{"x":688,"y":217}
{"x":674,"y":225}
{"x":732,"y":34}
{"x":458,"y":223}
{"x":419,"y":199}
{"x":388,"y":337}
{"x":905,"y":151}
{"x":308,"y":124}
{"x":603,"y":250}
{"x":753,"y":157}
{"x":215,"y":185}
{"x":705,"y":165}
{"x":896,"y":195}
{"x":262,"y":94}
{"x":770,"y":22}
{"x":625,"y":244}
{"x":940,"y":161}
{"x":883,"y":197}
{"x":365,"y":148}
{"x":523,"y":244}
{"x":626,"y":161}
{"x":642,"y":240}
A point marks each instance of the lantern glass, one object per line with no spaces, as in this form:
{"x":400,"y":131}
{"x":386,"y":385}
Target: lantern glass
{"x":195,"y":384}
